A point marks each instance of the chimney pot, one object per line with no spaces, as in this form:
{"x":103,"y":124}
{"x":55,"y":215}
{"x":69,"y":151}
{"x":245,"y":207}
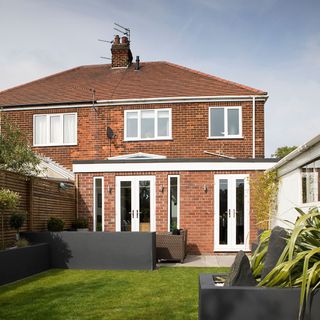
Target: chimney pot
{"x":137,"y":63}
{"x":116,"y":39}
{"x":124,"y":39}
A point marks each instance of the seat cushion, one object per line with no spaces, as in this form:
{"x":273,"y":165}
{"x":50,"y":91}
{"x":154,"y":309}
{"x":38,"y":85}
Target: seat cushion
{"x":240,"y":273}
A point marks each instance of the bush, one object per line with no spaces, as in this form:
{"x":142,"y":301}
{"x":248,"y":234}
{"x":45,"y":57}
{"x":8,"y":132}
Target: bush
{"x":8,"y":199}
{"x":55,"y":224}
{"x":81,"y":223}
{"x":17,"y":220}
{"x":21,"y":243}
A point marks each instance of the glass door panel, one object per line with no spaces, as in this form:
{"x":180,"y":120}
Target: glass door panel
{"x":125,"y":205}
{"x":144,"y":205}
{"x":240,"y":211}
{"x":223,"y":211}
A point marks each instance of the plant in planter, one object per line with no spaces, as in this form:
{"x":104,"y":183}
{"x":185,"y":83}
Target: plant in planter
{"x":81,"y":224}
{"x":16,"y":222}
{"x":8,"y":201}
{"x":55,"y":224}
{"x":299,"y":263}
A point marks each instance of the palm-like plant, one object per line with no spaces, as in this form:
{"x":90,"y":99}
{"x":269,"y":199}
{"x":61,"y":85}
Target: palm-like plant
{"x":299,"y":264}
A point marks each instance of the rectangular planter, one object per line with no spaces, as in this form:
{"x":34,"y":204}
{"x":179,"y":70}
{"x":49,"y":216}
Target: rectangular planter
{"x":99,"y":250}
{"x":251,"y":303}
{"x":18,"y":263}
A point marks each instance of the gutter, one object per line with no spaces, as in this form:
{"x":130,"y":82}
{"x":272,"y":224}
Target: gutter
{"x":160,"y":100}
{"x":295,"y":153}
{"x":253,"y":127}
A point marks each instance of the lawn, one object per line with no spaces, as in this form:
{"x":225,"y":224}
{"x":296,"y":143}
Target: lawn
{"x":166,"y":293}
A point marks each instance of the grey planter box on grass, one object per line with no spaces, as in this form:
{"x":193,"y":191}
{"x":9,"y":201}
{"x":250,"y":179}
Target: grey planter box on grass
{"x":99,"y":250}
{"x":18,"y":263}
{"x":251,"y":303}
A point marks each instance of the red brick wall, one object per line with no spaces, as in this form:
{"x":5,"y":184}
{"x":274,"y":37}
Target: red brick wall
{"x":189,"y":132}
{"x":196,"y":205}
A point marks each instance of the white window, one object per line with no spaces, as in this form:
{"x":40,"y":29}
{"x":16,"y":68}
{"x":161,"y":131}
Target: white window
{"x":225,"y":122}
{"x":147,"y":124}
{"x":55,"y":129}
{"x":173,"y":202}
{"x":311,"y":182}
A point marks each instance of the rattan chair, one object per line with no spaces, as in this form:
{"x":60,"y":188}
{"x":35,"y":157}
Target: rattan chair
{"x":171,"y":247}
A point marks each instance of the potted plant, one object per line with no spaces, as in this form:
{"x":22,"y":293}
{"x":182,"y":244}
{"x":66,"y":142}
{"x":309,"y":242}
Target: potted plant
{"x":8,"y":201}
{"x":55,"y":224}
{"x":16,"y":222}
{"x":81,"y":224}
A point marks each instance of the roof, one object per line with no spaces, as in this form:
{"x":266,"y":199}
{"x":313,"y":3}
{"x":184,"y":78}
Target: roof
{"x":297,"y":155}
{"x":153,"y":80}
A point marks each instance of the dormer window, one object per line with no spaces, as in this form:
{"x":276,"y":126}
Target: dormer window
{"x":148,"y":124}
{"x":225,"y":122}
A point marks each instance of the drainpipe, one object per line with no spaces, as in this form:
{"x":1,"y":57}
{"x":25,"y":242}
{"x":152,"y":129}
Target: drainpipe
{"x":253,"y":127}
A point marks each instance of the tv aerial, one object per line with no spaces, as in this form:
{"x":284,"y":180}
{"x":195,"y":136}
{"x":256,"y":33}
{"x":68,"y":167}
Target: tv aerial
{"x":125,"y":31}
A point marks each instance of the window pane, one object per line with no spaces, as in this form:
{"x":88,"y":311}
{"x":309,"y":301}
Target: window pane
{"x":217,"y":122}
{"x":144,"y":195}
{"x":239,"y":211}
{"x":132,"y":124}
{"x":173,"y":203}
{"x":55,"y":129}
{"x":125,"y":196}
{"x":98,"y":203}
{"x":69,"y":128}
{"x":310,"y":182}
{"x":233,"y":121}
{"x":163,"y":123}
{"x":147,"y":124}
{"x":41,"y":129}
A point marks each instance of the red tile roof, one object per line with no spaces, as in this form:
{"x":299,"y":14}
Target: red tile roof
{"x":153,"y":80}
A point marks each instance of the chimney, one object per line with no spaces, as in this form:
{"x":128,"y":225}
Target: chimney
{"x":121,"y":53}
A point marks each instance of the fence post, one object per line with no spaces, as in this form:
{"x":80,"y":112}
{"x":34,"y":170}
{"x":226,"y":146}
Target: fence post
{"x":31,"y":187}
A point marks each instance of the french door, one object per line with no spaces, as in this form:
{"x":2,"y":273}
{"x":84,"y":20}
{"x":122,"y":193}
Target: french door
{"x":135,"y":203}
{"x":231,"y":212}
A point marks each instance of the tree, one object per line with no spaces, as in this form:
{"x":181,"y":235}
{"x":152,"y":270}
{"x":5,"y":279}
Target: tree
{"x":8,"y":201}
{"x":283,"y":151}
{"x":15,"y":152}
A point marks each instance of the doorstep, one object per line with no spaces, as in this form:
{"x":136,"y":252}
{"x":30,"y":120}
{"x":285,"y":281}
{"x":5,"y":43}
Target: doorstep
{"x":201,"y":261}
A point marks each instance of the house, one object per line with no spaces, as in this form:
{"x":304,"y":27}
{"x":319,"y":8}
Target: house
{"x":299,"y":182}
{"x":153,"y":146}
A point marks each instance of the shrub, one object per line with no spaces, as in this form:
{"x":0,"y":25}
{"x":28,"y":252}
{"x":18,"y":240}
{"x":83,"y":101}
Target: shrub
{"x":16,"y":222}
{"x":81,"y":223}
{"x":55,"y":224}
{"x":21,"y":243}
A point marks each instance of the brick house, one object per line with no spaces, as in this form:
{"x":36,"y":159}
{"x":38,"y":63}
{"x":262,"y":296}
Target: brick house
{"x":153,"y":146}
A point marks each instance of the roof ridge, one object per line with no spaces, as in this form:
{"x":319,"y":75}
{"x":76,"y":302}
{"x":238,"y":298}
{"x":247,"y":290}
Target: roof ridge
{"x":40,"y":79}
{"x":214,"y":77}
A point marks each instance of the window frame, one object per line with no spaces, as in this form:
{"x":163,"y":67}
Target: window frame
{"x":61,"y":134}
{"x":178,"y":201}
{"x":226,"y":135}
{"x":315,"y":185}
{"x":156,"y":137}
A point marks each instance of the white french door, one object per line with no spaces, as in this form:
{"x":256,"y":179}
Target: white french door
{"x":135,"y":203}
{"x":231,"y":212}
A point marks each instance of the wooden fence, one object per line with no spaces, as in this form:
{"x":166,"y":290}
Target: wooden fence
{"x":40,"y":199}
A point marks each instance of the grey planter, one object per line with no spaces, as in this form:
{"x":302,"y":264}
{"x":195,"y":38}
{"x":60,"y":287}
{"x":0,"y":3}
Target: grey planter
{"x":18,"y":263}
{"x":251,"y":303}
{"x":99,"y":250}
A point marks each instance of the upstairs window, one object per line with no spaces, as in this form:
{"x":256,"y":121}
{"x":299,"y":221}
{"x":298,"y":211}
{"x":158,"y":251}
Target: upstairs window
{"x":311,"y":182}
{"x":147,"y":124}
{"x":225,"y":122}
{"x":55,"y":129}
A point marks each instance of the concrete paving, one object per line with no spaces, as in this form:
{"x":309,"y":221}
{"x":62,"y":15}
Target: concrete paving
{"x":202,"y":261}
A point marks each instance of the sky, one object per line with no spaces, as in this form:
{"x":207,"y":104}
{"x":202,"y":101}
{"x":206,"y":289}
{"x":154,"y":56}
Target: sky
{"x":273,"y":45}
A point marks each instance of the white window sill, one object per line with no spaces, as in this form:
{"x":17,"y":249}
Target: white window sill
{"x":226,"y":138}
{"x":310,"y":204}
{"x":55,"y":145}
{"x":151,"y":139}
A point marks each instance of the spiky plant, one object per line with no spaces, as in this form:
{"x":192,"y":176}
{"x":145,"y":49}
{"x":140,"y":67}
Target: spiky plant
{"x":299,"y":264}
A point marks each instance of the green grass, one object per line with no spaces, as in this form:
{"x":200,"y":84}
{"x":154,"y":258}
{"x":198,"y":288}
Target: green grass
{"x":166,"y":293}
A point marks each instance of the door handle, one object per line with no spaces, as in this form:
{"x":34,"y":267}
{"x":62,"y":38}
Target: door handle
{"x":229,"y":213}
{"x":234,"y":213}
{"x":138,"y":213}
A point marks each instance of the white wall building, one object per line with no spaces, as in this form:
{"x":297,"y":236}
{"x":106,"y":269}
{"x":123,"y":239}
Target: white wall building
{"x":299,"y":181}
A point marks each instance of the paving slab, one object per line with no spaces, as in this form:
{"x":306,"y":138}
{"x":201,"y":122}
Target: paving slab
{"x":202,"y":261}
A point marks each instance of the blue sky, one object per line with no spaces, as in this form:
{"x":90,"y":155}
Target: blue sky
{"x":272,"y":45}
